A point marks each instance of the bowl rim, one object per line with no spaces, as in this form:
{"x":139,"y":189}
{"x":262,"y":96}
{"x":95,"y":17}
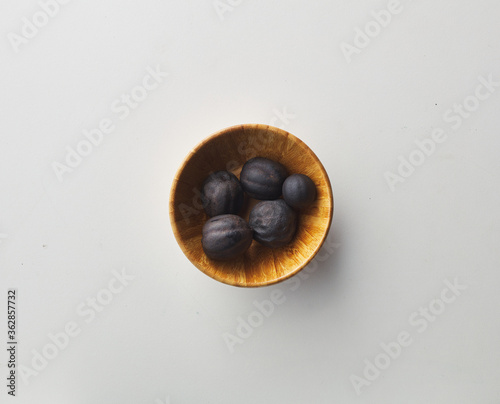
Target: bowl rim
{"x":203,"y":142}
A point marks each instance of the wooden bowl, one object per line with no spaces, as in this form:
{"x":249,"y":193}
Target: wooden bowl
{"x":229,"y":149}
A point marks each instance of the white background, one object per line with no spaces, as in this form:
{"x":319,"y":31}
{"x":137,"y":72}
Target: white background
{"x":161,"y":339}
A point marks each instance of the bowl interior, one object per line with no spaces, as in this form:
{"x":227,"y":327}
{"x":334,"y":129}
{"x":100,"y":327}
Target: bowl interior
{"x":228,"y":150}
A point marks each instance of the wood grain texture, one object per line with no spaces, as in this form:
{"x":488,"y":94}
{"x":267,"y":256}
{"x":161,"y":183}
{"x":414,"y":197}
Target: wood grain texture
{"x":229,"y":149}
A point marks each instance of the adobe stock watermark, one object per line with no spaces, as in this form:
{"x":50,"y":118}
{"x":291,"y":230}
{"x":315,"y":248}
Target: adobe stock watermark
{"x":160,"y":401}
{"x":87,"y":311}
{"x":455,"y":116}
{"x":30,"y":27}
{"x":247,"y":149}
{"x":122,"y":107}
{"x":372,"y":29}
{"x":225,"y":6}
{"x":246,"y":324}
{"x":420,"y":320}
{"x":256,"y":144}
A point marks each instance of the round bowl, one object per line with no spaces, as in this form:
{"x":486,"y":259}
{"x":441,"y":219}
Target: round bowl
{"x":229,"y":149}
